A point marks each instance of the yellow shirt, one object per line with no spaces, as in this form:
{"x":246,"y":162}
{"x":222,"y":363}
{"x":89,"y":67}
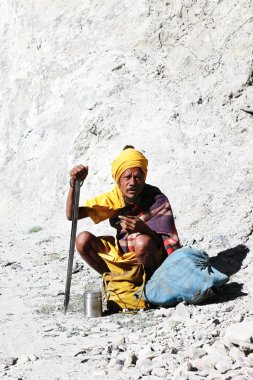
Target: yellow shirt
{"x":105,"y":206}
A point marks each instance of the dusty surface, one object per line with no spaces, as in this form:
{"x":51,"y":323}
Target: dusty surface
{"x":79,"y":80}
{"x":39,"y":342}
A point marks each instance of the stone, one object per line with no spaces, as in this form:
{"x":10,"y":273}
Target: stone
{"x":182,"y":370}
{"x":146,"y":352}
{"x":214,"y":375}
{"x":223,"y":367}
{"x":144,"y":363}
{"x":145,"y":366}
{"x":239,"y":333}
{"x":23,"y":359}
{"x":163,"y":312}
{"x":33,"y":358}
{"x":194,"y":353}
{"x":209,"y":360}
{"x":114,"y":362}
{"x":237,"y":318}
{"x":159,"y":372}
{"x":116,"y":368}
{"x":240,"y":362}
{"x":235,"y":353}
{"x":220,"y":347}
{"x":120,"y":341}
{"x":249,"y":360}
{"x":249,"y":372}
{"x":8,"y":361}
{"x":181,"y":313}
{"x":99,"y":373}
{"x":131,"y":360}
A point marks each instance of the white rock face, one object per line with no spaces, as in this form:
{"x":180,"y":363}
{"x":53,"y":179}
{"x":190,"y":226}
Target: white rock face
{"x":80,"y":80}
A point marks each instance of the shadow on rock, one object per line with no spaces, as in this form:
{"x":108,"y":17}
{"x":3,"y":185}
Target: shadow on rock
{"x":230,"y":261}
{"x":227,"y":292}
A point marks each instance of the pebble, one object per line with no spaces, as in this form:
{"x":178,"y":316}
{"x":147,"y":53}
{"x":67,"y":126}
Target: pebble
{"x":121,"y":340}
{"x":131,"y":360}
{"x":214,"y":375}
{"x":115,"y":363}
{"x":132,"y":373}
{"x":249,"y":372}
{"x":238,"y":318}
{"x":163,"y":312}
{"x":220,"y":347}
{"x":182,"y":370}
{"x":160,"y":372}
{"x":145,"y":363}
{"x":146,"y":352}
{"x":146,"y":367}
{"x":239,"y":333}
{"x":240,"y":362}
{"x":194,"y":353}
{"x":8,"y":361}
{"x":249,"y":360}
{"x":181,"y":313}
{"x":235,"y":353}
{"x":99,"y":373}
{"x":23,"y":359}
{"x":209,"y":360}
{"x":223,"y":367}
{"x":117,"y":368}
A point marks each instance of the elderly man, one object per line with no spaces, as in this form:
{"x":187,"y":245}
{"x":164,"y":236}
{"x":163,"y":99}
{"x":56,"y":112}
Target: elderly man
{"x":139,"y":212}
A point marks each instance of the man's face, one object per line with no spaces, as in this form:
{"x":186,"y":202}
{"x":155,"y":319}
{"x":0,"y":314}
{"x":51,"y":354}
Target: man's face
{"x":131,"y":183}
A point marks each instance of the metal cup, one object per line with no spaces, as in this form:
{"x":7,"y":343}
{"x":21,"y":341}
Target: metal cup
{"x":92,"y":303}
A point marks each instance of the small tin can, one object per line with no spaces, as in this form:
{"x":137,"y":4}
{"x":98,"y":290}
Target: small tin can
{"x":92,"y":303}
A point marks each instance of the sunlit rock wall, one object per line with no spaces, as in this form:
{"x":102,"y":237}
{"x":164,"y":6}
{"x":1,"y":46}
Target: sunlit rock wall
{"x":80,"y":79}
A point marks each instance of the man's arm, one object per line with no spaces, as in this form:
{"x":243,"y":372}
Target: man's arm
{"x":78,"y":173}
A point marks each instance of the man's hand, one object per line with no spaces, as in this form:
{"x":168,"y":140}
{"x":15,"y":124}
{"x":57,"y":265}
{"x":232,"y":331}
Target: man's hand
{"x":133,"y":224}
{"x":78,"y":173}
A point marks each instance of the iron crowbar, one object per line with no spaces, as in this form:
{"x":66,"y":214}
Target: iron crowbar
{"x":72,"y":244}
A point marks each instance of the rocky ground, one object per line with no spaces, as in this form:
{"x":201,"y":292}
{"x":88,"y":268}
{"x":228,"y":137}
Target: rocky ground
{"x":209,"y":341}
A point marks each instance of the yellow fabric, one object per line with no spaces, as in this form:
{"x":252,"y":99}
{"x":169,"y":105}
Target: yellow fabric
{"x":105,"y":206}
{"x":121,"y":262}
{"x":120,"y":289}
{"x":116,"y":261}
{"x":128,"y":158}
{"x":125,"y":278}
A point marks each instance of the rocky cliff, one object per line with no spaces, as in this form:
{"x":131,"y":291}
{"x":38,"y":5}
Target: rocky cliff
{"x":81,"y":79}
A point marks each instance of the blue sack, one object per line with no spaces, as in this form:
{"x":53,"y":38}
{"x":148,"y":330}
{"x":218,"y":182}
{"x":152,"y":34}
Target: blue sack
{"x":185,"y":275}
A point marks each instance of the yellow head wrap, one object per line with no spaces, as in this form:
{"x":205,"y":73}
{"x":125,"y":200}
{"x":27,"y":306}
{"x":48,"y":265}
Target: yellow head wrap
{"x":128,"y":158}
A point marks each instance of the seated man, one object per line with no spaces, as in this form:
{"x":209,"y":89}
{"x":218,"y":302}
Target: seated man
{"x":140,"y":213}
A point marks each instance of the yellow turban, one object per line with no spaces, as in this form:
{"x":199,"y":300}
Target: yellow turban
{"x":128,"y":158}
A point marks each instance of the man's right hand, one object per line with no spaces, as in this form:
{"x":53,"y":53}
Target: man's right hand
{"x":78,"y":173}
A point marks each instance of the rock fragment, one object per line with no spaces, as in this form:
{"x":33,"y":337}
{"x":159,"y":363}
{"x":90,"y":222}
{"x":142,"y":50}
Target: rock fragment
{"x":235,"y":353}
{"x":223,"y":367}
{"x":8,"y":361}
{"x":239,"y":333}
{"x":182,"y":370}
{"x":181,"y":313}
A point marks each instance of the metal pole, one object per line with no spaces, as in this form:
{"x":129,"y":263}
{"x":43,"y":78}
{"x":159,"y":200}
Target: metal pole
{"x":72,"y":245}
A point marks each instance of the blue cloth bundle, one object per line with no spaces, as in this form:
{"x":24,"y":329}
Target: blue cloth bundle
{"x":185,"y":275}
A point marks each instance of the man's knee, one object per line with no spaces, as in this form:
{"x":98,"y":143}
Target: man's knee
{"x":144,"y":243}
{"x":83,"y":240}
